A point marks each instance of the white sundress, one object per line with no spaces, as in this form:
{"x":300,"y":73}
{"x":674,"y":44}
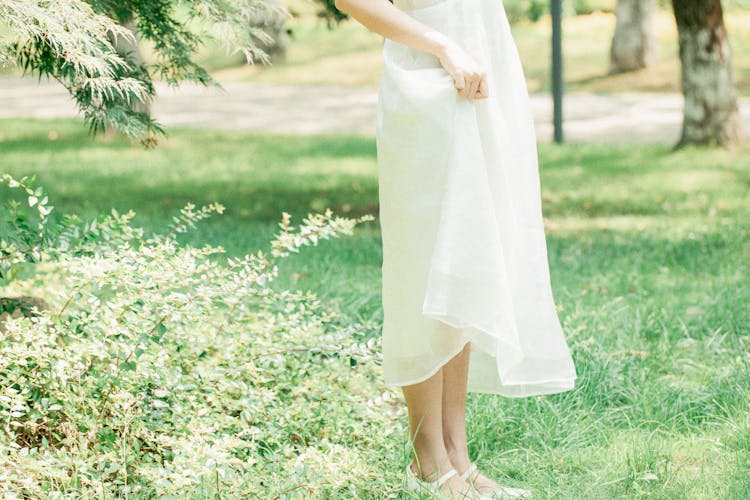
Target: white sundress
{"x":464,"y":250}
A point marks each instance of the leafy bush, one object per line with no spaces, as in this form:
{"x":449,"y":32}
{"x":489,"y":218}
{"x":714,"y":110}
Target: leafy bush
{"x":162,"y":369}
{"x":517,"y":10}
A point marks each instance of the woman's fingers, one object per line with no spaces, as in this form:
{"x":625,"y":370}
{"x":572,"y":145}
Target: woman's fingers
{"x":468,"y":76}
{"x":460,"y":82}
{"x":464,"y":91}
{"x":465,"y":85}
{"x":483,"y":91}
{"x":473,"y":85}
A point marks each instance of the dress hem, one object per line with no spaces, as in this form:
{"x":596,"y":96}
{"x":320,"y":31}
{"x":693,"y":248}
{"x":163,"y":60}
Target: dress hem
{"x":541,"y":387}
{"x":433,"y":371}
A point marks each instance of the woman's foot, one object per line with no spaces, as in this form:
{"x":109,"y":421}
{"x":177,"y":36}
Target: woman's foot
{"x":449,"y":484}
{"x":479,"y":481}
{"x":487,"y":487}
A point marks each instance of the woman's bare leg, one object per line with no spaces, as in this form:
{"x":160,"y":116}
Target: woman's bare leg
{"x":425,"y":403}
{"x":455,"y":376}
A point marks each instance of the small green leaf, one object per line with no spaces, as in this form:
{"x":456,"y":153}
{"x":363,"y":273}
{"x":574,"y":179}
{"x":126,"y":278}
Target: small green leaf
{"x":127,"y":366}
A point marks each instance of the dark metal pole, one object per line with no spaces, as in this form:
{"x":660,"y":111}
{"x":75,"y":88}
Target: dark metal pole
{"x":557,"y":67}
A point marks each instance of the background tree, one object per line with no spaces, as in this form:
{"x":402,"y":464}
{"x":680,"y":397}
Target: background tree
{"x":74,"y":42}
{"x":272,"y":21}
{"x":711,"y":112}
{"x":129,"y":48}
{"x":330,"y":13}
{"x":634,"y":42}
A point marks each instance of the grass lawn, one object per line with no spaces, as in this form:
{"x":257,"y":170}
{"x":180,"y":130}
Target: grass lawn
{"x":649,"y":252}
{"x":351,"y":55}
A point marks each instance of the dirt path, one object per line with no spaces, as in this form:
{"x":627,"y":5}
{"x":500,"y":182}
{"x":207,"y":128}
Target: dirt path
{"x":631,"y":117}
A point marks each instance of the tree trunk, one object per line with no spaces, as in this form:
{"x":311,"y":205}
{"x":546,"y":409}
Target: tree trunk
{"x":131,"y":51}
{"x":634,"y":43}
{"x":274,"y":25}
{"x":711,"y":113}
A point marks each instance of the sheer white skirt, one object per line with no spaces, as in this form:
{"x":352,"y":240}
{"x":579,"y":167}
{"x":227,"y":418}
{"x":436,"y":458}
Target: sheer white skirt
{"x":464,"y":250}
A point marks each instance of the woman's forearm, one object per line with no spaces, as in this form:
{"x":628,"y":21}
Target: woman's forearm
{"x":384,"y":18}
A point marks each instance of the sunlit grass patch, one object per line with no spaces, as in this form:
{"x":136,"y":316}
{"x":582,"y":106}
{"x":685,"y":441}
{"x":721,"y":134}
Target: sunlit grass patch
{"x":649,"y":253}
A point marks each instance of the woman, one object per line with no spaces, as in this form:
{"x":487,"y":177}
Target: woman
{"x":467,"y":300}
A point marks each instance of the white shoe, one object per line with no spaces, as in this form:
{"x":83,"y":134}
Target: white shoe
{"x":504,"y":491}
{"x":413,"y":483}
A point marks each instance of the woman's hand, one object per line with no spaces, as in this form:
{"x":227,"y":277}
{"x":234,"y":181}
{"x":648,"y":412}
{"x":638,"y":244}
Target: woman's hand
{"x":468,"y":76}
{"x":391,"y":22}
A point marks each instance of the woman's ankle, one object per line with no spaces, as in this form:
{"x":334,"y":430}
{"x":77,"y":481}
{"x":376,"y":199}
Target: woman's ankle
{"x":429,"y":468}
{"x":459,"y":457}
